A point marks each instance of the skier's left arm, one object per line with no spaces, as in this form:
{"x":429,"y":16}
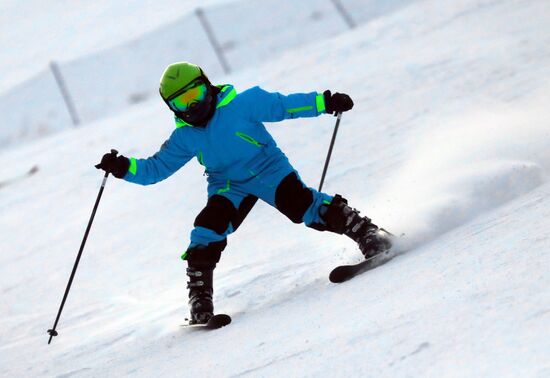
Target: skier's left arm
{"x":266,"y":106}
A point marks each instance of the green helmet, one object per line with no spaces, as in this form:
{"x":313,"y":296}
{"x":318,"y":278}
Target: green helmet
{"x":176,"y":76}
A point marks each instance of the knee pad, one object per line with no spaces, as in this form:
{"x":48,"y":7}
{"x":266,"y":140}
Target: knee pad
{"x":217,"y":214}
{"x":293,"y":198}
{"x":205,"y":256}
{"x":244,"y":208}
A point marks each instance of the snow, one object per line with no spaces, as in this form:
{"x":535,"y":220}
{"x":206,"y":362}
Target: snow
{"x":447,"y":143}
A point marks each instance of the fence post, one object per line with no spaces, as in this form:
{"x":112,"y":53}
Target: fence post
{"x":344,"y":13}
{"x":213,"y":40}
{"x":64,"y":92}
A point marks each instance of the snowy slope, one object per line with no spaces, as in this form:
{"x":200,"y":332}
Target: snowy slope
{"x":103,"y":83}
{"x":447,"y":144}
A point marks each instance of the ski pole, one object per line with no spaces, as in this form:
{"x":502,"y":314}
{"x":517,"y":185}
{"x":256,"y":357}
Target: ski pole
{"x":52,"y":331}
{"x":330,"y":150}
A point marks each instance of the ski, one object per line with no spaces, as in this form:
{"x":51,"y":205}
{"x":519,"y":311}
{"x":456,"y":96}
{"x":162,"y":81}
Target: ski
{"x":344,"y":273}
{"x":215,"y":322}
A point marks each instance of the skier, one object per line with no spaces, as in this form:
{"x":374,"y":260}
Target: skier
{"x":224,"y":131}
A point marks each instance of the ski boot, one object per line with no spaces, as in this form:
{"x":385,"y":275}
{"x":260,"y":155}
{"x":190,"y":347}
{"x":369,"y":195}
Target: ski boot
{"x":201,"y":262}
{"x":342,"y":219}
{"x":200,"y":294}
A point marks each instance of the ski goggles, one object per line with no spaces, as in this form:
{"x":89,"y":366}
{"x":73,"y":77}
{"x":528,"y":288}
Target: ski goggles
{"x":189,"y":96}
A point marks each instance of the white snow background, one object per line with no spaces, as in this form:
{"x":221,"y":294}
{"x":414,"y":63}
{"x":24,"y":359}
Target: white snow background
{"x":35,"y":32}
{"x":448,"y":143}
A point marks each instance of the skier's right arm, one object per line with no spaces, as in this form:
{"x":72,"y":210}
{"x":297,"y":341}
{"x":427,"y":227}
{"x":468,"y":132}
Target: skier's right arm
{"x":171,"y":157}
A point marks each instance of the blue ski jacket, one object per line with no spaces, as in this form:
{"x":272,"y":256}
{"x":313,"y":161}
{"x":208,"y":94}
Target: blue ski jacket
{"x":234,"y":145}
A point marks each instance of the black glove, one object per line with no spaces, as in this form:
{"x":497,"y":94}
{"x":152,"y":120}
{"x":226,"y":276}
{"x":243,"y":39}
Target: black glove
{"x":117,"y":165}
{"x":337,"y":103}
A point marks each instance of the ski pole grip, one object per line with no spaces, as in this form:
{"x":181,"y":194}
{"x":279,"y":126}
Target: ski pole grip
{"x":115,"y":152}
